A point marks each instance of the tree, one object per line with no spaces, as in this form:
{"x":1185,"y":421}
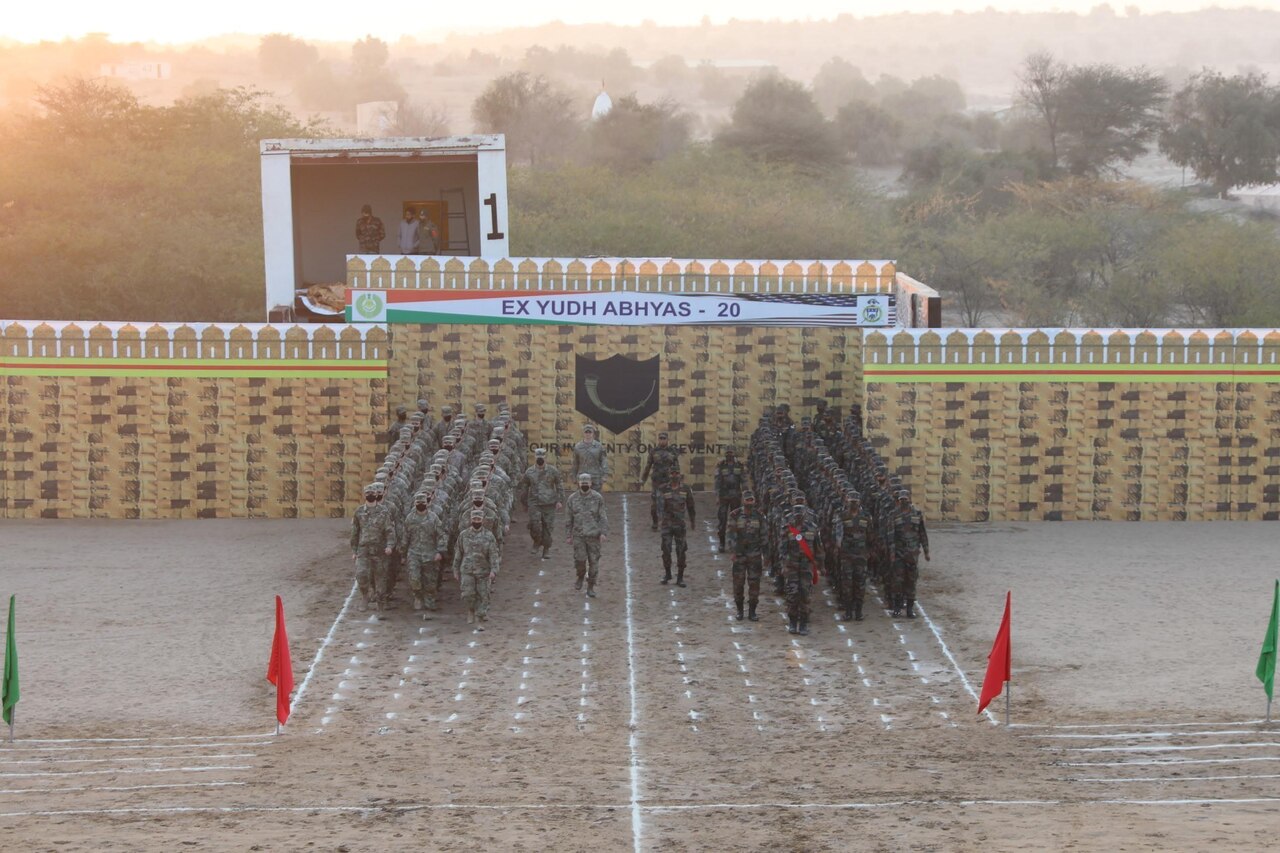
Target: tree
{"x":1226,"y":129}
{"x":370,"y":78}
{"x":1225,"y":273}
{"x":1092,"y":116}
{"x":418,"y":119}
{"x":869,"y":133}
{"x":838,"y":83}
{"x":670,"y":72}
{"x":1040,"y":84}
{"x":635,"y":134}
{"x":777,"y":120}
{"x":1108,"y":115}
{"x":286,"y":58}
{"x":539,"y":119}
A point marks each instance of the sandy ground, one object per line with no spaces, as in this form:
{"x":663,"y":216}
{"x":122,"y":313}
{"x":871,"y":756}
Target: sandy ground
{"x":647,"y":718}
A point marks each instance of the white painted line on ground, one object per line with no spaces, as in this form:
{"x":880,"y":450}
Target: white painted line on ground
{"x":1153,"y":735}
{"x":324,"y":644}
{"x":117,"y":788}
{"x":1182,"y":778}
{"x":127,"y":770}
{"x":1160,"y":762}
{"x":128,"y":758}
{"x":964,"y":679}
{"x":637,"y":819}
{"x":137,"y":746}
{"x":1164,"y":748}
{"x":1131,"y":724}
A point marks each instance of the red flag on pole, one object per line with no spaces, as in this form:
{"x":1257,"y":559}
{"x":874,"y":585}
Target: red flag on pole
{"x":280,"y":669}
{"x":999,"y":661}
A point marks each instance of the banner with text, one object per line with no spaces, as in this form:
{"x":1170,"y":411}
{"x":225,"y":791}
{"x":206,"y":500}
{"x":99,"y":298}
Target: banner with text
{"x":620,"y":308}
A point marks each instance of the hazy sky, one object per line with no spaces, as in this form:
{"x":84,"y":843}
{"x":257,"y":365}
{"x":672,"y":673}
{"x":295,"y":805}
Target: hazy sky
{"x":130,"y":20}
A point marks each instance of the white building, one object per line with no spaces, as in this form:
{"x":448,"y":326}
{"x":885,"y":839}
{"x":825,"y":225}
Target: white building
{"x":136,"y":70}
{"x":313,"y":190}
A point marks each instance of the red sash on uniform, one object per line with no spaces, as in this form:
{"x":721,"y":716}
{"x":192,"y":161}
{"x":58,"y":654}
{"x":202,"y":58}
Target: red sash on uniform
{"x":808,"y":552}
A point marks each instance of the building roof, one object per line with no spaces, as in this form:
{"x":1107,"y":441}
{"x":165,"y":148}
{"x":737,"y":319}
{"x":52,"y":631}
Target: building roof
{"x":391,"y":145}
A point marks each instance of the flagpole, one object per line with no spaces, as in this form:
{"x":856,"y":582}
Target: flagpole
{"x":1006,"y":704}
{"x":13,"y":713}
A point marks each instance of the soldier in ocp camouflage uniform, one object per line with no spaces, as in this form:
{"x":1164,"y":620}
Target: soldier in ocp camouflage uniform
{"x":475,"y":565}
{"x":674,"y":502}
{"x":423,"y":540}
{"x":372,"y":537}
{"x":746,"y":543}
{"x":730,"y":478}
{"x":588,"y":525}
{"x":541,"y":494}
{"x":663,"y":459}
{"x":590,"y":457}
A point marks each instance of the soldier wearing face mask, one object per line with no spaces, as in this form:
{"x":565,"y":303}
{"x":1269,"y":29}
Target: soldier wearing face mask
{"x":541,"y":494}
{"x":588,"y":525}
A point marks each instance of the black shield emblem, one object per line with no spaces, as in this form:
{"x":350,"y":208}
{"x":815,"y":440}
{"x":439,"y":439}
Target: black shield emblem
{"x":617,"y":393}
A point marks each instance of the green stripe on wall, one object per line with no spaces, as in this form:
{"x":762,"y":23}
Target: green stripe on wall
{"x":1130,"y":373}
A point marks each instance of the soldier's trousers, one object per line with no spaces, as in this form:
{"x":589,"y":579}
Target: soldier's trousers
{"x":676,"y":536}
{"x":727,"y":505}
{"x":424,"y":575}
{"x":852,"y":585}
{"x":475,"y":592}
{"x":542,"y":523}
{"x":746,"y":573}
{"x":371,"y":572}
{"x":586,"y":549}
{"x":907,"y":572}
{"x":797,"y":592}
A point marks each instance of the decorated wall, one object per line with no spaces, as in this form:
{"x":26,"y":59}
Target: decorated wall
{"x":1062,"y":424}
{"x":188,"y":421}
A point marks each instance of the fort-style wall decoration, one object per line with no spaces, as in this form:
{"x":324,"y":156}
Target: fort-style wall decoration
{"x":115,"y":420}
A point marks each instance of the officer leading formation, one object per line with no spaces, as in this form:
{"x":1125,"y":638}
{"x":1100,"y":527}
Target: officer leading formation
{"x":812,"y":500}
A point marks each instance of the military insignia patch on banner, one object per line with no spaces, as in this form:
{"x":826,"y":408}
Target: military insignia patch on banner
{"x":618,"y":392}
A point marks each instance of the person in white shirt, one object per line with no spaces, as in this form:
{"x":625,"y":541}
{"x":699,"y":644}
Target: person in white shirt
{"x":409,"y":234}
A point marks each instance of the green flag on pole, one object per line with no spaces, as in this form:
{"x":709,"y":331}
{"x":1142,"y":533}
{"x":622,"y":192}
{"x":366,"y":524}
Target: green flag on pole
{"x":1267,"y":660}
{"x":9,"y":687}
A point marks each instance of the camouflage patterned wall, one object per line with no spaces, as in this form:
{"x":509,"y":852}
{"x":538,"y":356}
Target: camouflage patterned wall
{"x":1078,"y":425}
{"x":714,"y":380}
{"x":178,"y":421}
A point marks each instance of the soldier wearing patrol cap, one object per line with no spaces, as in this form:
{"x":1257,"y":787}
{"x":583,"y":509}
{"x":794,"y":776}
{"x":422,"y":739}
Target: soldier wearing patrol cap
{"x":674,"y":503}
{"x":442,"y":426}
{"x":591,"y":457}
{"x":746,"y":544}
{"x":909,"y":538}
{"x":372,"y":538}
{"x":401,"y":421}
{"x":475,"y":565}
{"x":541,"y":494}
{"x":663,"y":459}
{"x":731,"y":476}
{"x":423,"y":541}
{"x":588,"y":525}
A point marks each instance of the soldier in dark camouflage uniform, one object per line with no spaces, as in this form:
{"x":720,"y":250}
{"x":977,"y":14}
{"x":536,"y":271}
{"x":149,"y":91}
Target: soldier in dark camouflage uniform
{"x":851,"y":537}
{"x":369,"y":231}
{"x":909,"y":538}
{"x":730,"y":478}
{"x":803,"y":551}
{"x":674,"y":502}
{"x":663,"y":459}
{"x":746,"y":543}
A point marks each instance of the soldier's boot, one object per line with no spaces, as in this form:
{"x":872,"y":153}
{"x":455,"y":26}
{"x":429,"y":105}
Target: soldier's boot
{"x":666,"y":569}
{"x":679,"y":576}
{"x":546,"y":552}
{"x":751,"y":612}
{"x":803,"y":630}
{"x":591,"y":588}
{"x":417,"y":601}
{"x":848,"y":614}
{"x":793,"y":625}
{"x":857,"y":612}
{"x":364,"y":604}
{"x":582,"y":572}
{"x":911,"y":608}
{"x":739,"y":603}
{"x":721,"y":541}
{"x":471,"y":617}
{"x":779,"y":585}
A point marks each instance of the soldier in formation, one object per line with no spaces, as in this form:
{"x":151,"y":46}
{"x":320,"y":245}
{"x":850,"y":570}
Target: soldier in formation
{"x":541,"y":495}
{"x":591,"y":457}
{"x":730,"y":478}
{"x":663,"y":460}
{"x":674,"y":503}
{"x":588,"y":525}
{"x":746,"y":544}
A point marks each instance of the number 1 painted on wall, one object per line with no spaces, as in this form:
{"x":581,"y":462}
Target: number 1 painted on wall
{"x":492,"y":202}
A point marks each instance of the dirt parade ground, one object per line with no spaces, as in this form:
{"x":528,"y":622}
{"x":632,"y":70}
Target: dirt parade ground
{"x":648,"y":718}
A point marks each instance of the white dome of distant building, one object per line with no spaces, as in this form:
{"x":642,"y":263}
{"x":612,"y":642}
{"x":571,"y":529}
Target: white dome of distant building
{"x":602,"y":105}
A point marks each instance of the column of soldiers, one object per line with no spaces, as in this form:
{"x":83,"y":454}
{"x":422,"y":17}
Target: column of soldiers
{"x":441,"y":500}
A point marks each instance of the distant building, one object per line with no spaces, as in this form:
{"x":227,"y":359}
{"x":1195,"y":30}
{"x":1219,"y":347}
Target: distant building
{"x":603,"y":104}
{"x":136,"y":70}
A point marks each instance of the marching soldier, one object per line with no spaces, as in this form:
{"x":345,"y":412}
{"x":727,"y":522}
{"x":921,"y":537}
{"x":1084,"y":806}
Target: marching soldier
{"x":372,"y":535}
{"x":590,"y":457}
{"x":423,"y":540}
{"x":802,"y":556}
{"x":541,"y":494}
{"x":663,"y":459}
{"x":675,"y":501}
{"x":730,"y":477}
{"x":851,"y":538}
{"x":909,"y":538}
{"x":475,"y":566}
{"x":588,"y":525}
{"x":746,"y":543}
